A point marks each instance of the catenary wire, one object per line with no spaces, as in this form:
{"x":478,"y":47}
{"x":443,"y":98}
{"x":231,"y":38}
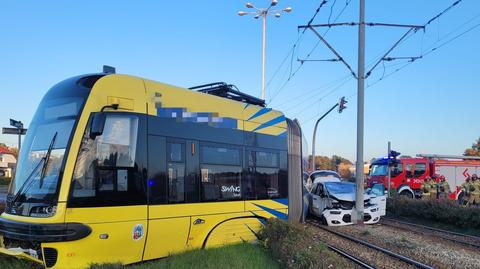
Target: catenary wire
{"x":292,"y":74}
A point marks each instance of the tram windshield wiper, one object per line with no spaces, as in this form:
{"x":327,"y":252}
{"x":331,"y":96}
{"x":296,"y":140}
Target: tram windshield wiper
{"x":28,"y":182}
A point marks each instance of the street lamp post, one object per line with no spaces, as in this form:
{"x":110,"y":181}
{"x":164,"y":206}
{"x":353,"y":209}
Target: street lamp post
{"x":264,"y":12}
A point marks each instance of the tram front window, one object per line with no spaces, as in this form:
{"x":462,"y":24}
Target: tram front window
{"x":34,"y":190}
{"x":36,"y":178}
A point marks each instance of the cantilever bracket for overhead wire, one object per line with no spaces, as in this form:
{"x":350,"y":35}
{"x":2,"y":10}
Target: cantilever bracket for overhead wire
{"x":414,"y":28}
{"x":318,"y":60}
{"x":409,"y":58}
{"x":339,"y":58}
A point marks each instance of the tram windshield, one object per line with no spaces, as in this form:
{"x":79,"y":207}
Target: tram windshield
{"x":34,"y":190}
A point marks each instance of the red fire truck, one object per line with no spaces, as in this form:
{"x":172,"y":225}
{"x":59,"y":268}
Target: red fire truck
{"x":408,"y":174}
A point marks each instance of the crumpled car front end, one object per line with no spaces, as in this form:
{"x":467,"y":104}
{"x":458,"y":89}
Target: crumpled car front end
{"x":340,"y":213}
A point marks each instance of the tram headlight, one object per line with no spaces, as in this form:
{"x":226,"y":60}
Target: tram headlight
{"x":43,"y":211}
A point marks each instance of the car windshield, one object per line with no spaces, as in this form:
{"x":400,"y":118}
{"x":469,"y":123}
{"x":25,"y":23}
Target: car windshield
{"x":37,"y":179}
{"x":340,"y":187}
{"x":378,"y":170}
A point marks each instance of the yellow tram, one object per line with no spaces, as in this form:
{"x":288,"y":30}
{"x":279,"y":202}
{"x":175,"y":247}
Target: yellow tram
{"x":117,"y":168}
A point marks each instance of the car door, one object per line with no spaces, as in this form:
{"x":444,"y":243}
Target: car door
{"x":379,"y":198}
{"x":420,"y":172}
{"x":319,"y":200}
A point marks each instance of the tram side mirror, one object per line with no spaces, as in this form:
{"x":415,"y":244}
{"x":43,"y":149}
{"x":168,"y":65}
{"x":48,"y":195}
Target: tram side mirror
{"x":98,"y":122}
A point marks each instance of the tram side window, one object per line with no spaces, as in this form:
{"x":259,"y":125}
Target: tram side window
{"x":266,"y":175}
{"x":176,"y":172}
{"x":221,"y":172}
{"x":105,"y":170}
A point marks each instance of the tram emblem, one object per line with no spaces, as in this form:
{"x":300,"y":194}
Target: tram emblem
{"x":137,"y":232}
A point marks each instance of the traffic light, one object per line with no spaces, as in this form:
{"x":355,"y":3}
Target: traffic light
{"x":392,"y":158}
{"x":341,"y":104}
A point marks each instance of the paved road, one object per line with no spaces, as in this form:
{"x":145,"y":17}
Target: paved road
{"x":3,"y":193}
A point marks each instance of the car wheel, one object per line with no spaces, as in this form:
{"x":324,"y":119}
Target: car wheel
{"x":323,"y":220}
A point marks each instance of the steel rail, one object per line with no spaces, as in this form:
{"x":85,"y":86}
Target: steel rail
{"x":350,"y":257}
{"x":380,"y":249}
{"x":435,"y":229}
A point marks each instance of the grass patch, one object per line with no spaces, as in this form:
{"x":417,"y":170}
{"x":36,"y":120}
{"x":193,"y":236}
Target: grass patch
{"x":295,"y":247}
{"x":232,"y":257}
{"x":364,"y":233}
{"x":443,"y":213}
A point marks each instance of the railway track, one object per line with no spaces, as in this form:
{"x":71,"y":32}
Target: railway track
{"x":400,"y":260}
{"x":350,"y":257}
{"x":459,"y":238}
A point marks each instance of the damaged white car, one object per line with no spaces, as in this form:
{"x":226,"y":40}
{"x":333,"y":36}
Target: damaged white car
{"x":332,"y":200}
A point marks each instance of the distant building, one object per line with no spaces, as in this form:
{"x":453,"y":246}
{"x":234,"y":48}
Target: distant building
{"x":7,"y":162}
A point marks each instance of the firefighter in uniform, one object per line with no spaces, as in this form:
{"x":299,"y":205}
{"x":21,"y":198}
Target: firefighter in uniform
{"x":466,"y":190}
{"x":426,"y":188}
{"x":475,"y":193}
{"x":434,"y":187}
{"x":444,"y":188}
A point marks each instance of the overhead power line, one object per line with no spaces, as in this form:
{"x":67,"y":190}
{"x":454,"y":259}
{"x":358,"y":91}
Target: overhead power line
{"x":412,"y":29}
{"x":292,"y":51}
{"x":409,"y":60}
{"x":299,"y":38}
{"x":434,"y":47}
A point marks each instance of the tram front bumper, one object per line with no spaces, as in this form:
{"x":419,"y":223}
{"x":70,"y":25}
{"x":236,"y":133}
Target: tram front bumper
{"x":24,"y":239}
{"x":20,"y":253}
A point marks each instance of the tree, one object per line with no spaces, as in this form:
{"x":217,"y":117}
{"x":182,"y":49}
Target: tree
{"x":474,"y":150}
{"x":336,"y":163}
{"x":14,"y":152}
{"x":338,"y":160}
{"x":345,"y":170}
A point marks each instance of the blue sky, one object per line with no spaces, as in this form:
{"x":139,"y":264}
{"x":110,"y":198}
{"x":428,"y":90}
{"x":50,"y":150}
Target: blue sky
{"x":430,"y":106}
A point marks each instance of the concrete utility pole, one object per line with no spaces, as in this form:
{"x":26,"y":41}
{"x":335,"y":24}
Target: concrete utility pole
{"x":359,"y":179}
{"x":361,"y":75}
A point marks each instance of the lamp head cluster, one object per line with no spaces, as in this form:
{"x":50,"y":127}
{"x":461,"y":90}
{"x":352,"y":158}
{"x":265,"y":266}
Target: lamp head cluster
{"x":263,"y":12}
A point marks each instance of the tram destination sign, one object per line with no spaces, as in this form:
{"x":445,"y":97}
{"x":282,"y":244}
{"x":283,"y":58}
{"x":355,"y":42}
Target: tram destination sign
{"x":14,"y":131}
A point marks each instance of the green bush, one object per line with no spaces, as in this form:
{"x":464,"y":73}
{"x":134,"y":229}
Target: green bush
{"x":443,"y":211}
{"x":294,"y":246}
{"x":5,"y":180}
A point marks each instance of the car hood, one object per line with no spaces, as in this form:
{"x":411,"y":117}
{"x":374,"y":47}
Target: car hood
{"x":350,"y":197}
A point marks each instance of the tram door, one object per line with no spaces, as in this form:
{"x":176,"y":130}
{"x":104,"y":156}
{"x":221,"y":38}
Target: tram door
{"x":169,"y":218}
